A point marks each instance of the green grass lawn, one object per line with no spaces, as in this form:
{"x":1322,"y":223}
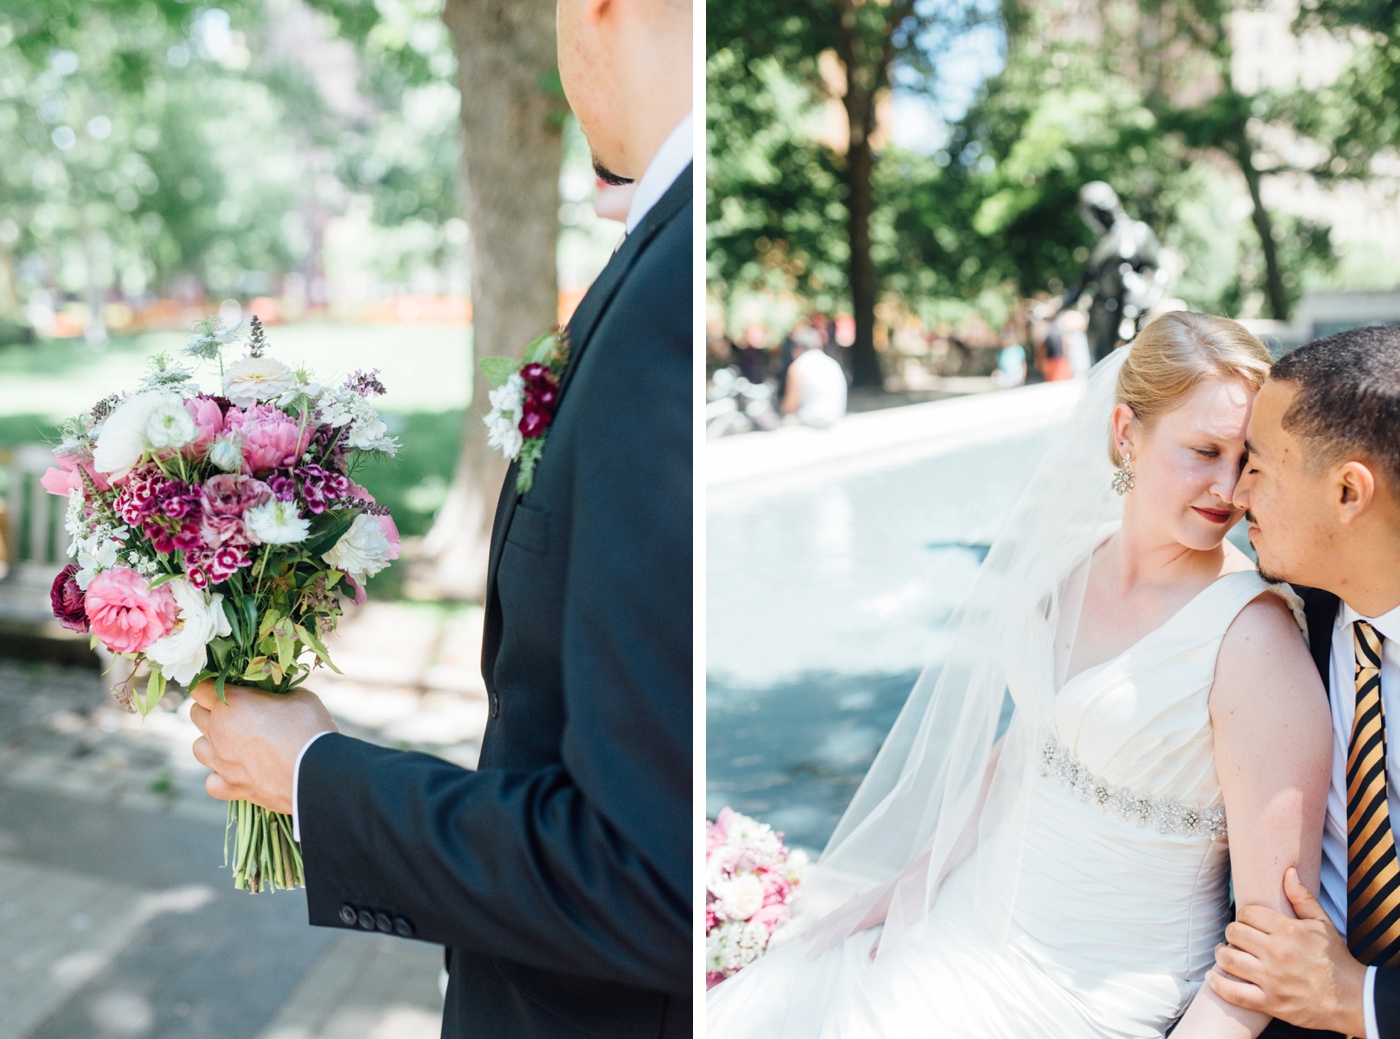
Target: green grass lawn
{"x":426,"y":369}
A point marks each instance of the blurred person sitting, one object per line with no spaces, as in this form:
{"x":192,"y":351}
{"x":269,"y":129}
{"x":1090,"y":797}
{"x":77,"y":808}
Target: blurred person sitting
{"x":1011,"y":363}
{"x":816,"y":385}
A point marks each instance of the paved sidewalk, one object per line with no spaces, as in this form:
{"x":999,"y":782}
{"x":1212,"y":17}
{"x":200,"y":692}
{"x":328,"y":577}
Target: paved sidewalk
{"x":117,"y":918}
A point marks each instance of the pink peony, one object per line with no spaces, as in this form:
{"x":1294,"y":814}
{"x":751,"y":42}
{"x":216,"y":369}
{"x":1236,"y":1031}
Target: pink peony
{"x":225,"y":499}
{"x":126,"y":615}
{"x":271,"y":438}
{"x":208,"y":420}
{"x":65,"y":479}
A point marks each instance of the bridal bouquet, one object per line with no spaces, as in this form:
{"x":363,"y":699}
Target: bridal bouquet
{"x":750,"y":881}
{"x":215,"y":534}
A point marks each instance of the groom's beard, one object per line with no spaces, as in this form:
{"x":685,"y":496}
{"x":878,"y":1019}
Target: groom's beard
{"x":607,"y":176}
{"x":1271,"y":578}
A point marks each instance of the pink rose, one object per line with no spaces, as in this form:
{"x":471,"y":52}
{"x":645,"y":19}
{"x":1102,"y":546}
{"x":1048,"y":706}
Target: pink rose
{"x":208,"y":420}
{"x":271,"y":439}
{"x":125,"y":613}
{"x":65,"y":479}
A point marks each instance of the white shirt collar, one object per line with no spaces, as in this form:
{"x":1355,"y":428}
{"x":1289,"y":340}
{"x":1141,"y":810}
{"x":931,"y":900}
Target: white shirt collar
{"x":675,"y":154}
{"x":1388,"y":624}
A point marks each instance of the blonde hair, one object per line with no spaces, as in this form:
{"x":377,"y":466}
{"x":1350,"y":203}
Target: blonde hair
{"x":1174,"y":353}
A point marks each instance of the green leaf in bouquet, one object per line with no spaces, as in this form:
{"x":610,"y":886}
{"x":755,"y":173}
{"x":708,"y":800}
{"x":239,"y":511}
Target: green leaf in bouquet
{"x":161,"y":579}
{"x":219,"y":681}
{"x":262,"y":668}
{"x":324,"y":541}
{"x":220,"y":648}
{"x":286,"y":652}
{"x":270,"y":620}
{"x":333,"y":578}
{"x":235,"y":621}
{"x":498,"y":370}
{"x":318,"y":647}
{"x":155,"y":690}
{"x":538,"y":352}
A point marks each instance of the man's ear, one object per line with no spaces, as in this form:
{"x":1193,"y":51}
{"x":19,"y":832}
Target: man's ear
{"x":1354,"y":488}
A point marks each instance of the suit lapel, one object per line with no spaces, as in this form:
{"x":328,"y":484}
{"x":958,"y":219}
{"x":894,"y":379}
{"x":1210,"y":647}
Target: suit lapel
{"x":1321,"y":610}
{"x":580,"y":330}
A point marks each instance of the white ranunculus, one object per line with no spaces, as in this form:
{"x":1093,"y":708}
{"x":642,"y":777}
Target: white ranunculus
{"x":169,"y":423}
{"x":276,"y":523}
{"x":363,"y":551}
{"x":255,"y":379}
{"x":183,"y":653}
{"x":125,"y":435}
{"x":226,"y":454}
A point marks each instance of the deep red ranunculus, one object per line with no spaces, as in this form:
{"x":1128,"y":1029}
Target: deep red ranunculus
{"x":69,"y":601}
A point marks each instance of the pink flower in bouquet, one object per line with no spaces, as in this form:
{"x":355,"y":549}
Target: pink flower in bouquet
{"x":225,"y":500}
{"x":386,"y":521}
{"x":66,"y":479}
{"x":771,"y":917}
{"x":208,"y":421}
{"x":776,"y":887}
{"x":320,"y":487}
{"x":126,"y":614}
{"x":271,"y":438}
{"x":69,"y":601}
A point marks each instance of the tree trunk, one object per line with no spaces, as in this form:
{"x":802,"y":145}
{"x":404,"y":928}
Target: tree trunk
{"x":860,"y":203}
{"x":863,"y":74}
{"x":511,"y":150}
{"x":1273,"y":276}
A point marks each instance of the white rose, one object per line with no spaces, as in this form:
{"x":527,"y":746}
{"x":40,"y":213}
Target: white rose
{"x":182,"y":654}
{"x":363,"y":551}
{"x":741,"y":897}
{"x":125,"y":435}
{"x":169,"y":424}
{"x":276,"y":523}
{"x":257,"y":378}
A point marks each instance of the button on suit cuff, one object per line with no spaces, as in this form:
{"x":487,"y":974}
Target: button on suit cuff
{"x":296,"y":784}
{"x":1368,"y":1003}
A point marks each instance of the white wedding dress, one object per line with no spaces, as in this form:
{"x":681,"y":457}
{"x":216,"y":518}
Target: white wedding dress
{"x":1123,"y":885}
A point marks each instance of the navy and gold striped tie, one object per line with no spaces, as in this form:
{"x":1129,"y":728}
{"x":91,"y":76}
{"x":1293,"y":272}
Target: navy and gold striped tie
{"x":1373,"y":871}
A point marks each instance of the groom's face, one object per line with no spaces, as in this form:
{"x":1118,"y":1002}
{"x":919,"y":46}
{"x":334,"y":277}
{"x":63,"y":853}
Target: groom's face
{"x":587,"y":70}
{"x":1284,"y":498}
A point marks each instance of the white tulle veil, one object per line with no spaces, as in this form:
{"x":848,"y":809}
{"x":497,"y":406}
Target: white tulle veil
{"x":923,"y":794}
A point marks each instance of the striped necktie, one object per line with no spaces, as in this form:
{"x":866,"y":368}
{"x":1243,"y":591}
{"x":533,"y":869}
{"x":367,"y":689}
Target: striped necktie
{"x":1373,"y":873}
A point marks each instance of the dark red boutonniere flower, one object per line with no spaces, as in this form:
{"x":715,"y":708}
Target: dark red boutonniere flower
{"x":524,"y":400}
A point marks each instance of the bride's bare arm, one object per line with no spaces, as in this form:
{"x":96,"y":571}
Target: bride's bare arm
{"x":1273,"y":740}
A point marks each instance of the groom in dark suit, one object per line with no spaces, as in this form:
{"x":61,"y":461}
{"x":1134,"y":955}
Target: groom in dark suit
{"x":1322,"y":490}
{"x":558,"y":874}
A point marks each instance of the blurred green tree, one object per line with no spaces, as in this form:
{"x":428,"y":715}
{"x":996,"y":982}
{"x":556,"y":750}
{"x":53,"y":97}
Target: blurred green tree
{"x":842,"y":50}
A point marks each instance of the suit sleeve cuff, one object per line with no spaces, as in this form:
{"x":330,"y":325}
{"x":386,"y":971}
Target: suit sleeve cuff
{"x":1368,"y":1003}
{"x":296,"y":817}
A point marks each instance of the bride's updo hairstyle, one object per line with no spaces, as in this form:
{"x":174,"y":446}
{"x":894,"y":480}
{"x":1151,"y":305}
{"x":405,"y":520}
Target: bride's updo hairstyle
{"x":1174,"y":353}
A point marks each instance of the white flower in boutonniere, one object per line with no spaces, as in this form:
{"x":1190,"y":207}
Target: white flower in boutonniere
{"x":523,"y":402}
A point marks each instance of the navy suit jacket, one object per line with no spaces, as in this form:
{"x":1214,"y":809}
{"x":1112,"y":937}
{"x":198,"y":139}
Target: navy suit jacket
{"x":1322,"y":610}
{"x":558,"y":873}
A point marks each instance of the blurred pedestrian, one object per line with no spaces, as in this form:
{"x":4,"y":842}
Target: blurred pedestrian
{"x":816,"y":385}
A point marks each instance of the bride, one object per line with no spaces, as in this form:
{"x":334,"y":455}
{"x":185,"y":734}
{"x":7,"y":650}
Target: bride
{"x":1169,"y":737}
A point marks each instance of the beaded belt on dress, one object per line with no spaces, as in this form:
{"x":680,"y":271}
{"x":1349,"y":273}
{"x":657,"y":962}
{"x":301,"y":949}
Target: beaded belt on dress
{"x":1165,"y":815}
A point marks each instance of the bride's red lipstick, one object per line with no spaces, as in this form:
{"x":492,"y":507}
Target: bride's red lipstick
{"x":1221,"y":516}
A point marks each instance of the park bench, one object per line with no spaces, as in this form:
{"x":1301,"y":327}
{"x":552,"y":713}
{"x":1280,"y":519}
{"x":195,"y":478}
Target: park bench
{"x":33,"y":543}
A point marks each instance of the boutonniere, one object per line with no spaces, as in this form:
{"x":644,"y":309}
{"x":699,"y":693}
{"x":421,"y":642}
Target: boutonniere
{"x":523,"y":402}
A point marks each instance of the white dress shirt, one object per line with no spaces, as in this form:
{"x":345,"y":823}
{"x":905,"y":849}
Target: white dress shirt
{"x":1333,"y":895}
{"x":676,"y":153}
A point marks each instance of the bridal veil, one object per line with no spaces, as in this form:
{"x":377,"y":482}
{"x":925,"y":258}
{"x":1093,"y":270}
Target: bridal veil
{"x":917,"y":809}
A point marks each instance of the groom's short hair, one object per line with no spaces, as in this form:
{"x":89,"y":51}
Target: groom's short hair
{"x":1348,"y":388}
